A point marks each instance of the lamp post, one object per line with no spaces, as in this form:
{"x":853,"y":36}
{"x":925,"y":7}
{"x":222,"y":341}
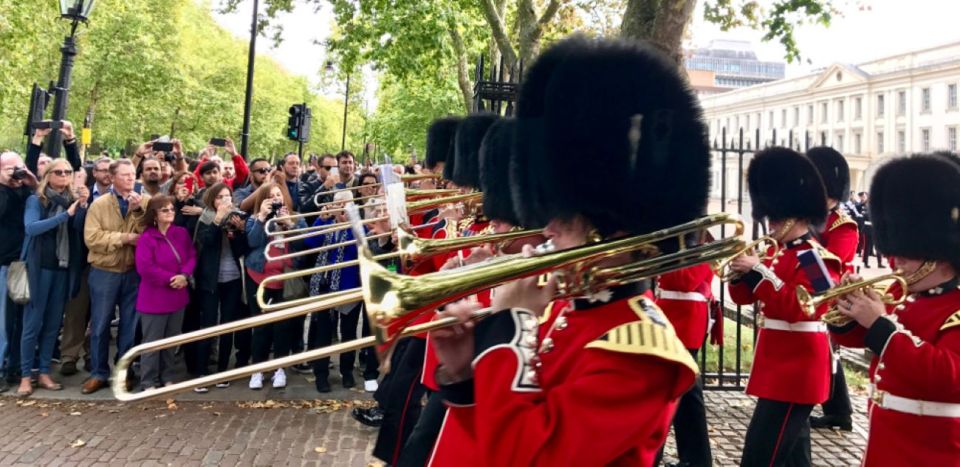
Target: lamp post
{"x":248,"y":99}
{"x":76,"y":11}
{"x":346,"y":101}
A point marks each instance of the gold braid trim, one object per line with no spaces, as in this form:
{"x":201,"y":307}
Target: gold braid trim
{"x":951,"y":322}
{"x":842,"y":218}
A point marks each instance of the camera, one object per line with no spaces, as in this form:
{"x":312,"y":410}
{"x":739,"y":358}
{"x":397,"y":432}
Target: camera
{"x":162,"y":146}
{"x":170,"y":157}
{"x":220,"y":142}
{"x":228,"y":220}
{"x":275,"y":209}
{"x":48,"y":124}
{"x":19,"y":173}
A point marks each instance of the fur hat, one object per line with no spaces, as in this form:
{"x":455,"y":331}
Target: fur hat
{"x":833,"y":170}
{"x":610,"y":130}
{"x":785,"y":185}
{"x":466,"y":170}
{"x":915,"y":207}
{"x":495,"y":153}
{"x":440,"y":140}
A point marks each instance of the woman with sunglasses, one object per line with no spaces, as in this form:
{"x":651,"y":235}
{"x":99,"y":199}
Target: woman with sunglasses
{"x":52,"y":244}
{"x":166,"y":259}
{"x":181,"y":190}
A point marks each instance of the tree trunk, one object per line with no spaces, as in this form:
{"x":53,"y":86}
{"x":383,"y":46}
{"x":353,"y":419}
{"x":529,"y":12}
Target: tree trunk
{"x":662,"y":22}
{"x":493,"y":48}
{"x":531,"y":26}
{"x":499,"y":31}
{"x":463,"y":73}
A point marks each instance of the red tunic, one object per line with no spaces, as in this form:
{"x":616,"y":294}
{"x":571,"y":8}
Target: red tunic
{"x":918,"y":359}
{"x":603,"y":393}
{"x":684,"y":296}
{"x":788,"y":365}
{"x":840,"y":236}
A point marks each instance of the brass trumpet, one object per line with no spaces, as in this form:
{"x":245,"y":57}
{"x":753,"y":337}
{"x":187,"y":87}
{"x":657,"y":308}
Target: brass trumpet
{"x":392,"y":299}
{"x":810,"y":302}
{"x":722,"y":268}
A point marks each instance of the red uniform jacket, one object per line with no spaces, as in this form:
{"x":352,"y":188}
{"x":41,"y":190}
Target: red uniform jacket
{"x":684,"y":296}
{"x":840,"y":236}
{"x":599,"y":388}
{"x":788,"y":366}
{"x":916,"y":356}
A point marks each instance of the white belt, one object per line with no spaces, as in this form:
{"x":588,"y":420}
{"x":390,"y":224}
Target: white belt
{"x":674,"y":295}
{"x":913,"y":406}
{"x":801,"y":326}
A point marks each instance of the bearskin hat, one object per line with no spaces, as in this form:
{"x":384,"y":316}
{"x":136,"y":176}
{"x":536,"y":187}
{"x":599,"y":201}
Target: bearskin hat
{"x":785,"y":185}
{"x":915,"y":207}
{"x":609,"y":129}
{"x":833,"y":169}
{"x":440,"y":138}
{"x":495,"y":153}
{"x":466,"y":170}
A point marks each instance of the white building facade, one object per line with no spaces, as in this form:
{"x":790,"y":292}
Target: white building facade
{"x":895,"y":105}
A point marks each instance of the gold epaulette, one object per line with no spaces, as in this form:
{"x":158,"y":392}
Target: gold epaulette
{"x":824,"y":253}
{"x":651,"y":335}
{"x":952,"y":321}
{"x":842,"y":218}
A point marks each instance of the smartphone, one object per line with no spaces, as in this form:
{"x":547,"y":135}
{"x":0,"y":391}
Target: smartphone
{"x":162,"y":146}
{"x":218,"y":142}
{"x":48,"y":124}
{"x":334,"y":171}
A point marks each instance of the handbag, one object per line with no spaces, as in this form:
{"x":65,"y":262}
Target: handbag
{"x":176,"y":254}
{"x":294,"y":288}
{"x":18,"y":285}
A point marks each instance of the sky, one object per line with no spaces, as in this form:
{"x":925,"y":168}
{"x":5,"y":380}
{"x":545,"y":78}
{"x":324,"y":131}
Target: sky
{"x":866,"y":30}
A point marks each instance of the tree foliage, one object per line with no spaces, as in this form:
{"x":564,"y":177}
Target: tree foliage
{"x":156,"y":67}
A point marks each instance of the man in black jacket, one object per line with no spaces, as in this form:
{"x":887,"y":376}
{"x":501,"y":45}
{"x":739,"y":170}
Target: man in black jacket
{"x":16,"y":184}
{"x":69,"y":147}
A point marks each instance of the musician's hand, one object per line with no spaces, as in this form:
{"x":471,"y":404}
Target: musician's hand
{"x":479,"y":254}
{"x":864,"y":307}
{"x":452,"y":262}
{"x":454,"y":345}
{"x":525,"y":293}
{"x":744,"y":263}
{"x":850,"y":278}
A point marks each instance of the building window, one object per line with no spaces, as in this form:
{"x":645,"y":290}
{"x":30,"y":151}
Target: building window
{"x":880,"y":106}
{"x":783,"y":118}
{"x":839,"y":111}
{"x":952,"y":138}
{"x":838,"y":142}
{"x":879,"y":142}
{"x":823,"y":112}
{"x":747,"y":116}
{"x":796,"y":115}
{"x":952,"y":96}
{"x":770,"y":120}
{"x":858,"y":108}
{"x":810,"y":114}
{"x":925,"y":100}
{"x":727,"y":126}
{"x":759,"y":123}
{"x":925,"y":139}
{"x":856,"y":143}
{"x":901,"y":102}
{"x":823,"y":138}
{"x":736,"y":123}
{"x":901,"y":141}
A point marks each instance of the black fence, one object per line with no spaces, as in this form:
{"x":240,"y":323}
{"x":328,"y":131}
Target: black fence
{"x":719,"y":369}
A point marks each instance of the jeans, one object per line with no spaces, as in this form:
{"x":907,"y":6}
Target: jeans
{"x":322,"y":329}
{"x":5,"y":305}
{"x":109,"y":290}
{"x":41,"y":320}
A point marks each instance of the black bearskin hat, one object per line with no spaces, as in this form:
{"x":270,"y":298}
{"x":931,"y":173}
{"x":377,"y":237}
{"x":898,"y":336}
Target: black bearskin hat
{"x":440,"y":140}
{"x":833,"y":169}
{"x":466,"y":169}
{"x":915,"y":207}
{"x":610,"y":130}
{"x":785,"y":185}
{"x":495,"y":154}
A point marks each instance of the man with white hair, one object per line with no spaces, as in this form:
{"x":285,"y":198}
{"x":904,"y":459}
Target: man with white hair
{"x":16,"y":185}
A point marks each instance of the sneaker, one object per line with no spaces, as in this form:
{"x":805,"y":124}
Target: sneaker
{"x":256,"y":381}
{"x":348,"y":381}
{"x":303,"y":368}
{"x":68,"y":368}
{"x":279,"y":379}
{"x":201,"y":390}
{"x":223,"y":384}
{"x":370,"y":385}
{"x":370,"y":417}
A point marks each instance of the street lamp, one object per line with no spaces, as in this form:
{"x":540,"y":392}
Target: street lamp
{"x":346,"y":100}
{"x":76,"y":11}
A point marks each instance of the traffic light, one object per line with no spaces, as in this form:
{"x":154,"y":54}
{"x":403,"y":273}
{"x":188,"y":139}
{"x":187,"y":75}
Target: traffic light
{"x":294,"y":122}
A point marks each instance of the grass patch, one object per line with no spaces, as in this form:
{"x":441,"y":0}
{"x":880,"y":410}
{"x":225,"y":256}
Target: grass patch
{"x":730,"y":350}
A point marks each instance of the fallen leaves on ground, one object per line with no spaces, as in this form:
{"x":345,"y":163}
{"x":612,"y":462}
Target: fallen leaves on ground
{"x":320,"y":450}
{"x":317,"y":406}
{"x":79,"y":443}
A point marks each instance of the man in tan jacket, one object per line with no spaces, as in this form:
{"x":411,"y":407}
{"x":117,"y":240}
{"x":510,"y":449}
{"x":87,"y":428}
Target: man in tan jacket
{"x":111,"y":231}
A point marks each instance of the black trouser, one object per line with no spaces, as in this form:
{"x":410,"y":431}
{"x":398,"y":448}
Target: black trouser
{"x":778,"y":435}
{"x":399,"y":397}
{"x":191,"y":322}
{"x":869,"y":248}
{"x":839,"y":403}
{"x":275,"y":335}
{"x":690,"y":426}
{"x":321,"y":333}
{"x":221,"y":306}
{"x":14,"y":331}
{"x":416,"y":451}
{"x":368,"y":356}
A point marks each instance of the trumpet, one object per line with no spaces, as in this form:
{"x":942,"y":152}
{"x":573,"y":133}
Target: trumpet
{"x":722,"y":268}
{"x":393,"y":300}
{"x":833,"y":317}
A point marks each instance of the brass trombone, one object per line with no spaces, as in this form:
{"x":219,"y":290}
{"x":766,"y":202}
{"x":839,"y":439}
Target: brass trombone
{"x":393,"y":299}
{"x":881,"y":284}
{"x":722,"y":268}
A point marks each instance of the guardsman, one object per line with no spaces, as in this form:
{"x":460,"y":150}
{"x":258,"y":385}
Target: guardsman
{"x":791,"y":364}
{"x":840,"y":236}
{"x":915,"y":372}
{"x":600,"y":386}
